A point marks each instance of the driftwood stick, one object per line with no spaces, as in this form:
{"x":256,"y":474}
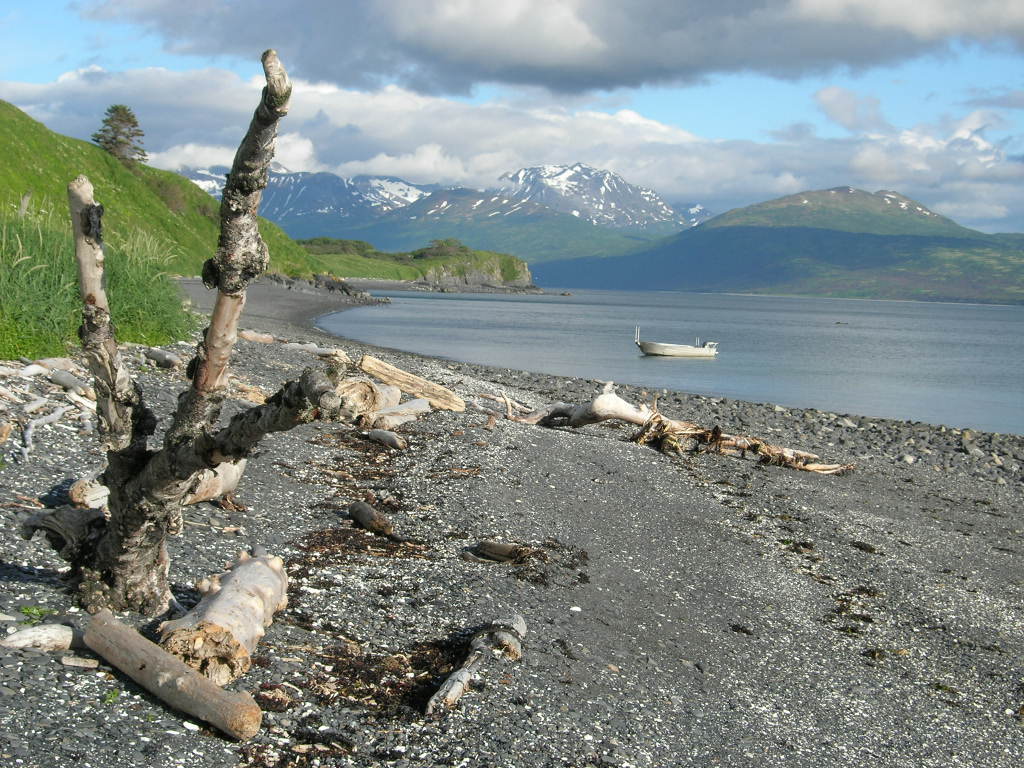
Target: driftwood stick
{"x":438,"y":396}
{"x":499,"y":638}
{"x":50,"y":418}
{"x":368,"y":518}
{"x":218,"y":636}
{"x":162,"y":358}
{"x":396,"y":415}
{"x":167,"y":677}
{"x":124,"y":420}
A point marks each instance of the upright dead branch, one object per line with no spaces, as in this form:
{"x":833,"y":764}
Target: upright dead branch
{"x":241,"y":257}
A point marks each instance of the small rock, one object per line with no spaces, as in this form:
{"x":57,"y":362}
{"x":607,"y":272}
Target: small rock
{"x":908,"y":458}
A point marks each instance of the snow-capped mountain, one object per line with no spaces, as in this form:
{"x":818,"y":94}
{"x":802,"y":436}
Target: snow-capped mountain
{"x":588,"y":202}
{"x":599,"y":196}
{"x":303,"y":200}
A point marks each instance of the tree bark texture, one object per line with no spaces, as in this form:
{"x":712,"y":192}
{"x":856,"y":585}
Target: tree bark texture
{"x":241,"y":257}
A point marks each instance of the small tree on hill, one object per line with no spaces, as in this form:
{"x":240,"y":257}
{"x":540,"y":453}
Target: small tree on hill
{"x":121,"y":135}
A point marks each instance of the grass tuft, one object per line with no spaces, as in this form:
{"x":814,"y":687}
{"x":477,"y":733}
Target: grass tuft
{"x":41,"y":311}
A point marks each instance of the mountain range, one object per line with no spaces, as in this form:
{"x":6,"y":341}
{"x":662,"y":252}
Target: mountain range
{"x":583,"y":227}
{"x":539,"y":213}
{"x":832,"y":242}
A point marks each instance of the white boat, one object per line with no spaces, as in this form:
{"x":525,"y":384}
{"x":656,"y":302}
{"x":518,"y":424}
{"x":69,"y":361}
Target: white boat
{"x":707,"y":349}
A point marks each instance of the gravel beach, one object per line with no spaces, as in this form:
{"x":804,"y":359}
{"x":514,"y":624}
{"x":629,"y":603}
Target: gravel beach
{"x":694,"y":611}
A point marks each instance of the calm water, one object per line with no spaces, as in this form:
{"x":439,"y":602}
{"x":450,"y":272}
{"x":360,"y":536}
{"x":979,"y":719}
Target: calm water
{"x":954,"y":364}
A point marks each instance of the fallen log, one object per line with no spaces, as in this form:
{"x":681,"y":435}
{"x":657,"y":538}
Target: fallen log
{"x":369,"y":519}
{"x":71,"y":383}
{"x":664,"y":433}
{"x":498,"y":638}
{"x":218,"y":636}
{"x":438,"y":396}
{"x":168,"y":678}
{"x":263,"y":338}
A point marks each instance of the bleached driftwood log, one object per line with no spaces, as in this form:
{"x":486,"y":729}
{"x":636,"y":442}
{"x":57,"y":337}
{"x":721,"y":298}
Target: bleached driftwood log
{"x":664,"y":433}
{"x":438,"y":396}
{"x":395,"y":415}
{"x":497,"y":639}
{"x":167,"y":677}
{"x":218,"y":636}
{"x":44,"y":637}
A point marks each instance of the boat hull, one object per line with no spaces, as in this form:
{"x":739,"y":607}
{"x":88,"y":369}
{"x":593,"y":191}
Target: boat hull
{"x":676,"y":350}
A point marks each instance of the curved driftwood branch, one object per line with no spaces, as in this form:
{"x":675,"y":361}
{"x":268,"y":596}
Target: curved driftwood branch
{"x":218,"y":636}
{"x":499,"y":638}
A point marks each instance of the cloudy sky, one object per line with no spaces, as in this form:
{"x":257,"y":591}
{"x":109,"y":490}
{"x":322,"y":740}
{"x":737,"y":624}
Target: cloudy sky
{"x":725,"y":103}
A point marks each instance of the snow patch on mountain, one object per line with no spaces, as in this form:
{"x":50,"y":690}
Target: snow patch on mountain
{"x":599,"y":196}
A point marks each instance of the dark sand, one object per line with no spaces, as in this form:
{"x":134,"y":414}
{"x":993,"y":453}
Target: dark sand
{"x":699,"y":611}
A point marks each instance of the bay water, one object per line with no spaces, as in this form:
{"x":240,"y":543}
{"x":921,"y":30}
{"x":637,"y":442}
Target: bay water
{"x":961,"y":365}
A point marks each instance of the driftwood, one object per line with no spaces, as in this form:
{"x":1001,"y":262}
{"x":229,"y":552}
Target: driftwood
{"x":44,"y":637}
{"x":664,"y":433}
{"x":395,"y":415}
{"x":211,"y":484}
{"x":499,"y":638}
{"x":218,"y":636}
{"x":500,"y":552}
{"x":438,"y":396}
{"x":71,"y":383}
{"x":263,"y":338}
{"x":161,"y":358}
{"x":122,"y":563}
{"x":369,"y":519}
{"x":167,"y":677}
{"x":384,"y":437}
{"x":26,"y":435}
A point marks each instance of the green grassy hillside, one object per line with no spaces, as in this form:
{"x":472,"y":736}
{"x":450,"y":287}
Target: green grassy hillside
{"x":136,"y":199}
{"x":442,"y":260}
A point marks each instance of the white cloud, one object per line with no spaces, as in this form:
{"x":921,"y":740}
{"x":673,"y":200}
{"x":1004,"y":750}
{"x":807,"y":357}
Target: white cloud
{"x":850,"y":110}
{"x":568,"y":45}
{"x":197,"y":118}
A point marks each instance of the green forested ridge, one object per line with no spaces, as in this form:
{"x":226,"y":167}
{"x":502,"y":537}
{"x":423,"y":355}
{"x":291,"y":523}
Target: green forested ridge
{"x":437,"y":262}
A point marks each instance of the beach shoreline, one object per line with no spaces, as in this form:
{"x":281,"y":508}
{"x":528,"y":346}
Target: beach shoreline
{"x":694,"y":610}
